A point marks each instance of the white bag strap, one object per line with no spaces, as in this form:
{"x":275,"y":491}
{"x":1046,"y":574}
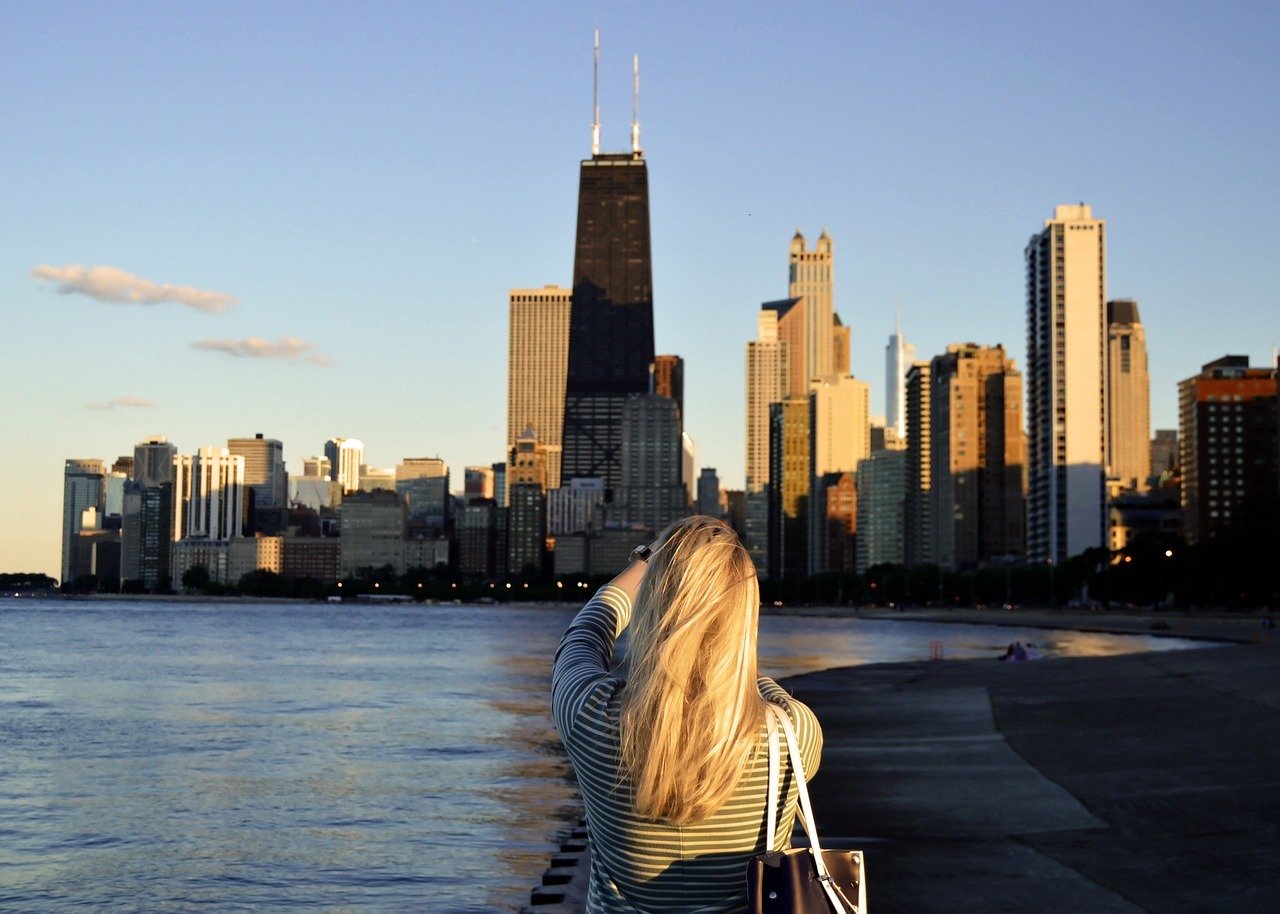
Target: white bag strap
{"x":839,"y":903}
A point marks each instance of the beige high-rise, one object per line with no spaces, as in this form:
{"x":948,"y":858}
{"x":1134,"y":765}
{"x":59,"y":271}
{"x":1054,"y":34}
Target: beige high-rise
{"x":767,"y":373}
{"x":538,"y":360}
{"x":977,"y":455}
{"x":1066,"y":395}
{"x":841,"y":424}
{"x":1128,"y":397}
{"x":812,"y":279}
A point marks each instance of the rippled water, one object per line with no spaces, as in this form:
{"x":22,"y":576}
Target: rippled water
{"x":175,"y":757}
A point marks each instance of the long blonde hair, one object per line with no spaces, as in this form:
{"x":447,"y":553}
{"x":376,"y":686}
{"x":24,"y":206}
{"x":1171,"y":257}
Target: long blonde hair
{"x":691,"y":707}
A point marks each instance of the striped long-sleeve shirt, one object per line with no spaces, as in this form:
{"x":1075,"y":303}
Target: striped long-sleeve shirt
{"x":642,"y":865}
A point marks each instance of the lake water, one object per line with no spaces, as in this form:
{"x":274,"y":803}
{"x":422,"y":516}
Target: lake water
{"x":236,"y":757}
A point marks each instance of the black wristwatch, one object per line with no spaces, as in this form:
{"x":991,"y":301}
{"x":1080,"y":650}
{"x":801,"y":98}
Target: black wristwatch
{"x":641,"y":554}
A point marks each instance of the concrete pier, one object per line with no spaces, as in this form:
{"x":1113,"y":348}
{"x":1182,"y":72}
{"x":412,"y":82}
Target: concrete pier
{"x":1141,"y":782}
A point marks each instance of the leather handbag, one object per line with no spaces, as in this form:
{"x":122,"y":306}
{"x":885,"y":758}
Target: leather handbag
{"x":801,"y":880}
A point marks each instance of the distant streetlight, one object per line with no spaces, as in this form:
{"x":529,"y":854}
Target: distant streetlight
{"x":1168,"y":553}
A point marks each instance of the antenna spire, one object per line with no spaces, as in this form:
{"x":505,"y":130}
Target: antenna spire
{"x":595,"y":98}
{"x":635,"y":103}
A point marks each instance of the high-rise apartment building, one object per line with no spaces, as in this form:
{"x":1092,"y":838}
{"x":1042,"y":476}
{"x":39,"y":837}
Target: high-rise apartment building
{"x":840,"y":438}
{"x":373,"y":532}
{"x":1229,"y":442}
{"x":977,"y":455}
{"x":83,"y":490}
{"x":898,"y":357}
{"x":611,"y":320}
{"x":209,"y":495}
{"x":527,"y":508}
{"x":266,"y":481}
{"x":345,"y":456}
{"x":537,"y":363}
{"x":148,"y":532}
{"x":1066,"y":390}
{"x":812,"y":278}
{"x":917,"y":531}
{"x":1128,"y":397}
{"x":652,"y":458}
{"x":881,"y":498}
{"x":840,"y":424}
{"x":767,"y":380}
{"x":790,"y":442}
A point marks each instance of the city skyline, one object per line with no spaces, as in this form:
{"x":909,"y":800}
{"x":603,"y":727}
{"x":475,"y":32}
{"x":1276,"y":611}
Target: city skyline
{"x":324,"y":259}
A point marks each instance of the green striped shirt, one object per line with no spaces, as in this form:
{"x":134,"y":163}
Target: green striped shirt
{"x":643,"y":865}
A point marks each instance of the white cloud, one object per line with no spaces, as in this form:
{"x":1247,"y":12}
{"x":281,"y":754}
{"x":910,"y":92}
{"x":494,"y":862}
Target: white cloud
{"x":289,"y":348}
{"x":128,"y":402}
{"x":112,"y":284}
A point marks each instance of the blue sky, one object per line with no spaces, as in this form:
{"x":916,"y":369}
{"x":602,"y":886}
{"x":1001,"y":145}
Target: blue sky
{"x":358,"y":187}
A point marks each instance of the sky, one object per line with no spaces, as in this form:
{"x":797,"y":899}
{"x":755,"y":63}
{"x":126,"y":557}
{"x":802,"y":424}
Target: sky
{"x":303,"y":219}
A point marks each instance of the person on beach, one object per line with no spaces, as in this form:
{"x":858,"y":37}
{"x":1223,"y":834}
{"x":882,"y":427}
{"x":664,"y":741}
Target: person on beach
{"x":672,"y":759}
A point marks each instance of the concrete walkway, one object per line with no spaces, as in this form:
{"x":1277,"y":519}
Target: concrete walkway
{"x":1145,"y":782}
{"x":1140,"y":782}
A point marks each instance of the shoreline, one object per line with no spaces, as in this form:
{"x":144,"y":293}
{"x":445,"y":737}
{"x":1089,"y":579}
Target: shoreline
{"x":1238,"y":627}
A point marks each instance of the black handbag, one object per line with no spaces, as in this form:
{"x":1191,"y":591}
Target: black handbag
{"x":801,"y":880}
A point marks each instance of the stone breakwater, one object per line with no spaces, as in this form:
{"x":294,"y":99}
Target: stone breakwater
{"x":564,"y":883}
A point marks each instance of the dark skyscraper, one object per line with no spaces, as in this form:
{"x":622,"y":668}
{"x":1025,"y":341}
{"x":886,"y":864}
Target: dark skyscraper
{"x":611,"y":317}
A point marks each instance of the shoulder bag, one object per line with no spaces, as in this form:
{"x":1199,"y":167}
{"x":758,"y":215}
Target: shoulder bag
{"x":801,"y":880}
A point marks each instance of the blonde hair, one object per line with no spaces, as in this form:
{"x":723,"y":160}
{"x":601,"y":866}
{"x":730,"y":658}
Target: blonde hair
{"x":691,"y":707}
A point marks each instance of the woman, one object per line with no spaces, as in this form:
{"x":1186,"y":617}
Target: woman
{"x":672,"y":760}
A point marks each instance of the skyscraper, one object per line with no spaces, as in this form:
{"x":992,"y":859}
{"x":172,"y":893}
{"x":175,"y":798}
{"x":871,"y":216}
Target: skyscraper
{"x":611,"y":319}
{"x":345,"y":456}
{"x":881,"y":488}
{"x":83,"y":489}
{"x":537,"y":362}
{"x":1229,"y":439}
{"x":790,"y":459}
{"x":423,"y":485}
{"x":266,"y":481}
{"x":652,"y":455}
{"x":209,"y":495}
{"x":812,"y":278}
{"x":918,"y":511}
{"x":1066,"y":396}
{"x":527,"y":511}
{"x":767,"y":380}
{"x":977,"y":455}
{"x":898,"y":356}
{"x":148,"y":522}
{"x":1128,"y":396}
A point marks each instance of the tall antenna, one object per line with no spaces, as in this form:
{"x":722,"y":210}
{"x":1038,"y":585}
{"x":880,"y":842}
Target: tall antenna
{"x":595,"y":99}
{"x":635,"y":103}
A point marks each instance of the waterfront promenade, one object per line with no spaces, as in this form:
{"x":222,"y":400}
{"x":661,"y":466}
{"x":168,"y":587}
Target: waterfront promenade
{"x":1141,"y":782}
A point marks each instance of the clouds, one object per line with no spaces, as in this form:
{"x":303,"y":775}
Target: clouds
{"x":112,"y":284}
{"x":124,"y":402}
{"x":288,"y":348}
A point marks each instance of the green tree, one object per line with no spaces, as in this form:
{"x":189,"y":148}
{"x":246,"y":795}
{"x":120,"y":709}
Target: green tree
{"x":196,"y":578}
